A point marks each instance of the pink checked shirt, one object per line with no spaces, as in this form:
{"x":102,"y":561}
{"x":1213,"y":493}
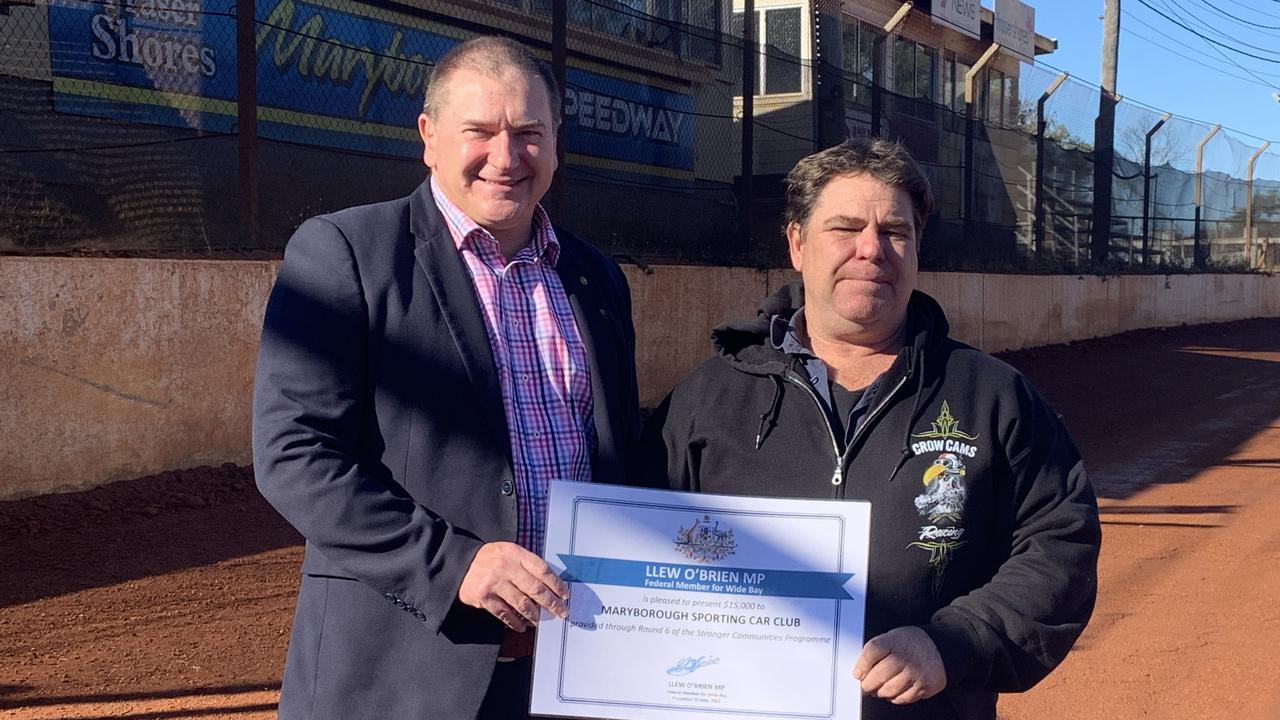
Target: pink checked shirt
{"x":542,"y":364}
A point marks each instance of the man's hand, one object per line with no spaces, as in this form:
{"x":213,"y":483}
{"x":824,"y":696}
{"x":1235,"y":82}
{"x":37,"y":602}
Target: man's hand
{"x":513,"y":584}
{"x":902,"y":666}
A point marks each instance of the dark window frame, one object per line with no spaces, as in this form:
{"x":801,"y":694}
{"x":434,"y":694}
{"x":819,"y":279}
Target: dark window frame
{"x":765,"y":53}
{"x":858,"y":70}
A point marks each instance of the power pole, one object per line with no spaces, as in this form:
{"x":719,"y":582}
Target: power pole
{"x":1104,"y":153}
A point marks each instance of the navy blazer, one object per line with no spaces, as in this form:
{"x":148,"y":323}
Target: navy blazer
{"x":379,"y":433}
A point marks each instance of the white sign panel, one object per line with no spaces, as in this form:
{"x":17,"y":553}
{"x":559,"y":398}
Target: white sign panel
{"x":1015,"y":28}
{"x":702,"y":607}
{"x":962,"y":15}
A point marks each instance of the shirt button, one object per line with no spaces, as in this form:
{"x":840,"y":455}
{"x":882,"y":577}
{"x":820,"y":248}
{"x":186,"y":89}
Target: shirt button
{"x":508,"y":487}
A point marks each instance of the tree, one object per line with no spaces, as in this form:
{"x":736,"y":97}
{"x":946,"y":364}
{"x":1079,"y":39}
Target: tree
{"x":1266,"y":212}
{"x":1167,"y":145}
{"x":1054,"y":129}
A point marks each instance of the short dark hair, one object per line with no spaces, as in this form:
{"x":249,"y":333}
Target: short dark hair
{"x":883,"y":160}
{"x":493,"y":56}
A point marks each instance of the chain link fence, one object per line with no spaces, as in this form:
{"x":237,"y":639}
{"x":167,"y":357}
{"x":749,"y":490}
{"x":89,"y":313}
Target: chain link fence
{"x":176,"y":126}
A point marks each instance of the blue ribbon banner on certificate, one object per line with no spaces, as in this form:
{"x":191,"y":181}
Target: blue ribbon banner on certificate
{"x":702,"y":606}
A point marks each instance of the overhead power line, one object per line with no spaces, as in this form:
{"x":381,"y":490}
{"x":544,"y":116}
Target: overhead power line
{"x":1237,"y":18}
{"x":1191,"y":17}
{"x":1200,"y":62}
{"x":1252,"y":73}
{"x":1212,"y":44}
{"x":1200,"y":35}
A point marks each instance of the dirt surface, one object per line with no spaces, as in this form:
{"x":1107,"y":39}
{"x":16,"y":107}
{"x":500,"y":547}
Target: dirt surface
{"x":171,"y":596}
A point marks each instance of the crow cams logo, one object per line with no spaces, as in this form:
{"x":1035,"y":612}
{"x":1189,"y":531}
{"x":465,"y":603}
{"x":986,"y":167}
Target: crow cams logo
{"x":945,"y":436}
{"x":943,"y":499}
{"x":942,"y":502}
{"x":944,"y":491}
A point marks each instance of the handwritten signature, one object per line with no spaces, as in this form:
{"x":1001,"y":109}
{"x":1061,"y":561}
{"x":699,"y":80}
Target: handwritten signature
{"x":689,"y":664}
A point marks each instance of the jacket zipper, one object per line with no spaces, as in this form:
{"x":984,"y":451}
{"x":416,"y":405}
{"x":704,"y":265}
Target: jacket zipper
{"x":871,"y":416}
{"x":837,"y":478}
{"x":876,"y":411}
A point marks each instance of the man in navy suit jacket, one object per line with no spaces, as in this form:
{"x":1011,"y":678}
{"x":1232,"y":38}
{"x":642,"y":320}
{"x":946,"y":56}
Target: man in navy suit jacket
{"x":427,"y":365}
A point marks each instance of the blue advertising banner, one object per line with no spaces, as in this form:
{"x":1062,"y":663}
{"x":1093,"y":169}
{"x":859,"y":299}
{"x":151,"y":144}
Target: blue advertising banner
{"x":345,"y":75}
{"x":170,"y":62}
{"x":342,"y":75}
{"x":628,"y":122}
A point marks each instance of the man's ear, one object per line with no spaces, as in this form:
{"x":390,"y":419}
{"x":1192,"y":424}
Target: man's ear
{"x":795,"y":244}
{"x":427,"y":131}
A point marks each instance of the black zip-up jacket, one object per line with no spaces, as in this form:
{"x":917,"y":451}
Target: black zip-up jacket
{"x":984,"y":529}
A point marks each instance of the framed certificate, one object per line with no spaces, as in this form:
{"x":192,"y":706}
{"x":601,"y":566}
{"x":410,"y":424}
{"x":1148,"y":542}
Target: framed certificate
{"x":702,"y":606}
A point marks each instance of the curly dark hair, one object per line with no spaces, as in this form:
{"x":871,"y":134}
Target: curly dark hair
{"x":883,"y":160}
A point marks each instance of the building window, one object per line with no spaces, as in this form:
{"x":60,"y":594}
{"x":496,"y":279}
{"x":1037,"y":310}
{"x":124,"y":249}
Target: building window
{"x":619,"y":18}
{"x":777,"y":60}
{"x":953,"y":72}
{"x":858,"y":54}
{"x":913,"y":69}
{"x":688,"y":29}
{"x":997,"y":96}
{"x":703,"y":34}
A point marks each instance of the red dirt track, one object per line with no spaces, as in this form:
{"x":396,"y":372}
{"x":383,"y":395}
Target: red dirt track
{"x":171,"y":596}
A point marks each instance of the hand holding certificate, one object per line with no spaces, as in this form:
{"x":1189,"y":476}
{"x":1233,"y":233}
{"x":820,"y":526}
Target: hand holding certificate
{"x":702,"y":606}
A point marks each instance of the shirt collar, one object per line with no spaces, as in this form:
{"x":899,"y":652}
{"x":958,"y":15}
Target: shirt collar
{"x":464,"y":230}
{"x":785,"y":334}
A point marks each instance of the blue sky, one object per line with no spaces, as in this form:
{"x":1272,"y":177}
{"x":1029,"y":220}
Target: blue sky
{"x":1154,"y":75}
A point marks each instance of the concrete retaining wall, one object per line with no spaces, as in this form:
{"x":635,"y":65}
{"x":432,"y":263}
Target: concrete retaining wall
{"x":118,"y":368}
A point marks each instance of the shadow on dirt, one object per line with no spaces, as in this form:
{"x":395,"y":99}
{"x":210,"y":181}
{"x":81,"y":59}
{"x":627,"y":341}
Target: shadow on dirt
{"x":132,"y":696}
{"x":1160,"y":406}
{"x":56,"y":544}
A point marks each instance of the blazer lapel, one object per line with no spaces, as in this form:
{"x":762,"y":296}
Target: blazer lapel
{"x":591,"y":314}
{"x":450,"y":282}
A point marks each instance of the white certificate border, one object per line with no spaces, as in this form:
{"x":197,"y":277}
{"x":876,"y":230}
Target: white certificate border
{"x":835,"y":640}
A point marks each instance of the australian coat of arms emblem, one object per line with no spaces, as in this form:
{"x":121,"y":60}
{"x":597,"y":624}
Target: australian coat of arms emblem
{"x":705,"y":541}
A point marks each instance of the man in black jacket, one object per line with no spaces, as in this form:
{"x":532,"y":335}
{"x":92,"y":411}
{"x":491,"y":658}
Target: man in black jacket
{"x":984,"y":529}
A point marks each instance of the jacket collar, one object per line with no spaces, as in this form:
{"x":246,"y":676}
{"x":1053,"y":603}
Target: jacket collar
{"x":756,"y":345}
{"x":455,"y":295}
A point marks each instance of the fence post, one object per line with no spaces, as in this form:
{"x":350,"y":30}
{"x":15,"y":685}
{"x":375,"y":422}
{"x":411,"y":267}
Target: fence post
{"x":1196,"y":257}
{"x":878,"y":45}
{"x":247,"y":119}
{"x":559,"y":52}
{"x":1038,"y":193}
{"x":1146,"y":189}
{"x":1248,"y":207}
{"x":970,"y":104}
{"x":748,"y":119}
